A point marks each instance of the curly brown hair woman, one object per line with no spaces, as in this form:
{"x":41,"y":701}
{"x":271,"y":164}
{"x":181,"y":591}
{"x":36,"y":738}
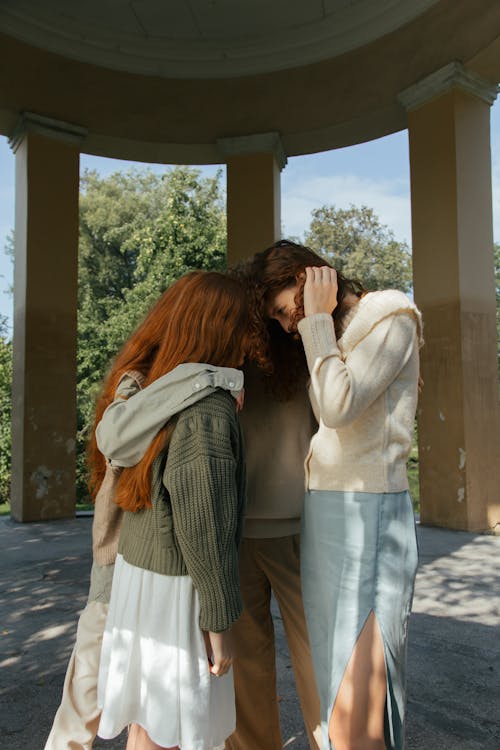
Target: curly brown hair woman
{"x":358,"y":545}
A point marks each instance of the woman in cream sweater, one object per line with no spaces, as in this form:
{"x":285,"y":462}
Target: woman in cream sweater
{"x":358,"y":549}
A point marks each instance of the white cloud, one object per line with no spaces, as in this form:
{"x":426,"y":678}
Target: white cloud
{"x":390,"y":200}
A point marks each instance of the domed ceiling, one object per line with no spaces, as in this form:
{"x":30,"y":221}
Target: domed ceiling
{"x":204,"y":38}
{"x":167,"y":80}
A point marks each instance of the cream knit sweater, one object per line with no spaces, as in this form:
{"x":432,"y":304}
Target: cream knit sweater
{"x":364,"y":394}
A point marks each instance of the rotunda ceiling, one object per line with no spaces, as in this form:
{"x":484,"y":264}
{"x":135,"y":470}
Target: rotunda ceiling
{"x":167,"y":80}
{"x":204,"y":38}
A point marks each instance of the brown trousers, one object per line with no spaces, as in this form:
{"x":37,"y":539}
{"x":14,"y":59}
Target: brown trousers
{"x":270,"y":565}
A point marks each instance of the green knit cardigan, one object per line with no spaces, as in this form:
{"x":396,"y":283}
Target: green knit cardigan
{"x":198,"y":500}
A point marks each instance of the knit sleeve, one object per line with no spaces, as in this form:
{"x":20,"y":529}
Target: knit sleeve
{"x":345,"y":388}
{"x":201,"y":478}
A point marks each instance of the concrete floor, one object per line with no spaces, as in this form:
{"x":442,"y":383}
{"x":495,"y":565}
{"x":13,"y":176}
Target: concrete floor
{"x":454,"y":645}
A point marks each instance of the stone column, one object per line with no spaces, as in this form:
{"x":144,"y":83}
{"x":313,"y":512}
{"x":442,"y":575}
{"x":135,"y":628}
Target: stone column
{"x":253,"y":192}
{"x":458,"y":417}
{"x":45,"y":310}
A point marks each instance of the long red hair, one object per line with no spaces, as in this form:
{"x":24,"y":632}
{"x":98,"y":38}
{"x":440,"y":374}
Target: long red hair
{"x":202,"y":317}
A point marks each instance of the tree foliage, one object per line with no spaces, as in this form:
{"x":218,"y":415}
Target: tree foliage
{"x":138,"y":233}
{"x":360,"y":247}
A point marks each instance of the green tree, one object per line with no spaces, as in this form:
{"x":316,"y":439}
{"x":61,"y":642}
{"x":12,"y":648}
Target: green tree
{"x":138,"y":233}
{"x":5,"y":410}
{"x":189,"y":232}
{"x":359,"y":246}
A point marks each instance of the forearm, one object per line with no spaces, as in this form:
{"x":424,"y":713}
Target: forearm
{"x":129,"y":425}
{"x":206,"y":527}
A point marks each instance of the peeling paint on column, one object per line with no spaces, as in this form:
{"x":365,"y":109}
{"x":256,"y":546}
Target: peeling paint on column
{"x":461,"y":459}
{"x":40,"y":478}
{"x":461,"y":494}
{"x":60,"y":476}
{"x":32,"y":420}
{"x":441,"y":416}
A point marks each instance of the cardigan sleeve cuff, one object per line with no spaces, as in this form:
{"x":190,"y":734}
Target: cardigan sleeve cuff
{"x":318,"y":336}
{"x":220,"y":600}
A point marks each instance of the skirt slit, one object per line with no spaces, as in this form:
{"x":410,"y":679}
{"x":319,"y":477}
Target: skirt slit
{"x":340,"y":673}
{"x":358,"y":555}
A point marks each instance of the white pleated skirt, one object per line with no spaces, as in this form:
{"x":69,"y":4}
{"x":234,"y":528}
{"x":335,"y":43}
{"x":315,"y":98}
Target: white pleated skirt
{"x":154,"y":670}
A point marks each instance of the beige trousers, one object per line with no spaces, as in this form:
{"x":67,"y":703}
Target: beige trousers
{"x":270,"y":565}
{"x":77,"y":718}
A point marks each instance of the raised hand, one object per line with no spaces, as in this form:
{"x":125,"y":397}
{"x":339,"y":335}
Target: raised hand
{"x":320,"y":290}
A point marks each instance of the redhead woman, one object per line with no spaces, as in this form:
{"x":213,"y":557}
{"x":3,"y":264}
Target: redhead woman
{"x":358,"y":546}
{"x":128,"y":416}
{"x":166,"y":654}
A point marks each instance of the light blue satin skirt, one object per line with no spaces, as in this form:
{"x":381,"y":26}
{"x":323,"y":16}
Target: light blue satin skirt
{"x":358,"y":555}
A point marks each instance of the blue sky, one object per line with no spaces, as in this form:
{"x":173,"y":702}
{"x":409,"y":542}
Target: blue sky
{"x":375,"y":174}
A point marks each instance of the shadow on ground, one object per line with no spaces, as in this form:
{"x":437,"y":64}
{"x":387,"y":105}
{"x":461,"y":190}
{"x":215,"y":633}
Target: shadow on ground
{"x":454,"y":649}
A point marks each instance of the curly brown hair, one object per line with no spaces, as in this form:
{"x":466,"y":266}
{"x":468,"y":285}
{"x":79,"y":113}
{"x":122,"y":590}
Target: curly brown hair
{"x":281,"y":266}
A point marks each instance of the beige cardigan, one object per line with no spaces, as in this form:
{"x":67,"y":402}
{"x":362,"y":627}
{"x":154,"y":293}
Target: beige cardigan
{"x":364,"y":393}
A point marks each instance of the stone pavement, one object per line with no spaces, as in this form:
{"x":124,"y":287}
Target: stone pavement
{"x":454,"y":644}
